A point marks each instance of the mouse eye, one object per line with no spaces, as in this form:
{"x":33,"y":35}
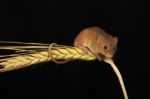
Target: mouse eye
{"x":114,"y":48}
{"x":105,"y":47}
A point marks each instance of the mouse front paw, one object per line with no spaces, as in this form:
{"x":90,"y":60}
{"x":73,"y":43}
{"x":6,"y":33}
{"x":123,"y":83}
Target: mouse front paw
{"x":99,"y":58}
{"x":84,"y":49}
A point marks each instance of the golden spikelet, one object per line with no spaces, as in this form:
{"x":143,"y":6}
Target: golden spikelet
{"x":17,"y":61}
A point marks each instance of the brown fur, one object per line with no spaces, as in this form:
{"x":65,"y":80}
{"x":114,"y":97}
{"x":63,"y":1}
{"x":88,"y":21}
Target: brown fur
{"x":95,"y":39}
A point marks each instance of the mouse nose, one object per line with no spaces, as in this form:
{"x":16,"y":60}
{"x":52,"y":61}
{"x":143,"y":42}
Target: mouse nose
{"x":109,"y":55}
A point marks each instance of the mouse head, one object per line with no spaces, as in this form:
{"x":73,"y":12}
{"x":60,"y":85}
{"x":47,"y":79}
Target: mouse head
{"x":107,"y":47}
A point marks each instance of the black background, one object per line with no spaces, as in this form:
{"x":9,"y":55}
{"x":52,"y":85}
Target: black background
{"x":60,"y":21}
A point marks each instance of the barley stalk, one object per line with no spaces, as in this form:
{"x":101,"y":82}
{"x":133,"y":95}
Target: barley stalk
{"x":17,"y":61}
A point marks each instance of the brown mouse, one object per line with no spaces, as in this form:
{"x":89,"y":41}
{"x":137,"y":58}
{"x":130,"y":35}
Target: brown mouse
{"x":98,"y":41}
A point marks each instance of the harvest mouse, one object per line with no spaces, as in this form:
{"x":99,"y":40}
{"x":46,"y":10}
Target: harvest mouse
{"x":98,"y":41}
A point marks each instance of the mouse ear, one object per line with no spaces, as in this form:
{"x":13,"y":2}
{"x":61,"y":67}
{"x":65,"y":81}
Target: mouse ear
{"x":116,"y":39}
